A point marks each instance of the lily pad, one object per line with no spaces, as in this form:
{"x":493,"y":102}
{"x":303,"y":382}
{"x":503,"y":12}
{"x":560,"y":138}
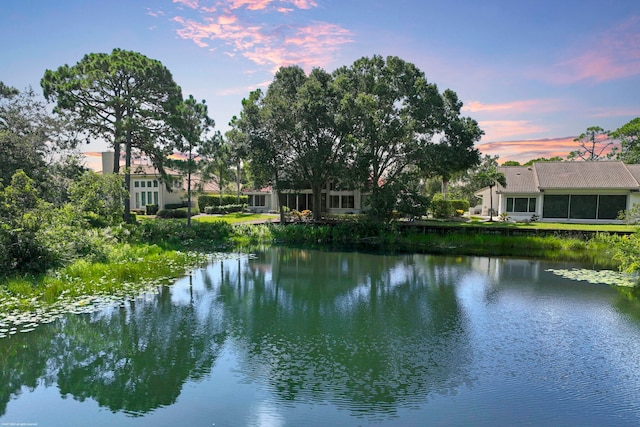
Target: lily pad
{"x":598,"y":277}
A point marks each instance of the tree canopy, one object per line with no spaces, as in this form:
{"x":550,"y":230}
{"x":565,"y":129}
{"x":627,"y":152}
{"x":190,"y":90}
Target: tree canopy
{"x":629,"y":137}
{"x":123,"y":97}
{"x":594,"y":144}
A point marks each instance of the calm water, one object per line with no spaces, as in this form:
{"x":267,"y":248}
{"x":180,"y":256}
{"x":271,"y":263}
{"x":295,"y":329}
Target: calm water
{"x":302,"y":337}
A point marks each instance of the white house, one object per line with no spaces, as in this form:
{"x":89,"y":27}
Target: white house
{"x":147,"y":187}
{"x":334,"y":200}
{"x":588,"y":192}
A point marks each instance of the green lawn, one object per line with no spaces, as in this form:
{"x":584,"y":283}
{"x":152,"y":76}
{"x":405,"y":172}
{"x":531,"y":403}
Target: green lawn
{"x":236,"y":218}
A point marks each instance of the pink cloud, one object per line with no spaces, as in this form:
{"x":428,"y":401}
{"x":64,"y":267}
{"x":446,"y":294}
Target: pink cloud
{"x":303,"y":4}
{"x":271,"y":44}
{"x":502,"y":129}
{"x":537,"y":105}
{"x":612,"y":55}
{"x":192,"y":4}
{"x":525,"y":150}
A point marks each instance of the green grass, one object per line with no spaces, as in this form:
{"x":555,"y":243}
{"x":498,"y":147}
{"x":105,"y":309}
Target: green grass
{"x":236,"y":218}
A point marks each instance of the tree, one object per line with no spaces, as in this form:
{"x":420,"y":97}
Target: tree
{"x":629,"y":137}
{"x":99,"y":197}
{"x":543,"y":159}
{"x":489,"y":176}
{"x":387,"y":108}
{"x":593,"y":145}
{"x":33,"y":140}
{"x":239,"y":147}
{"x":318,"y":151}
{"x":292,"y":138}
{"x":455,"y":150}
{"x":511,"y":163}
{"x":194,"y":126}
{"x":123,"y":97}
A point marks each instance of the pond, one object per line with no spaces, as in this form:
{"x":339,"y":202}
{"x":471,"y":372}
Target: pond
{"x":293,"y":337}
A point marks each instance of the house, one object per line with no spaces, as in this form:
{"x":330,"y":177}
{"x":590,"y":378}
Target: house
{"x":588,"y":192}
{"x":334,"y":200}
{"x":148,"y":188}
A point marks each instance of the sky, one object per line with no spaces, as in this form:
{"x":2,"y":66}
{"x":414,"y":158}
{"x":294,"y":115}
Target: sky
{"x":534,"y":74}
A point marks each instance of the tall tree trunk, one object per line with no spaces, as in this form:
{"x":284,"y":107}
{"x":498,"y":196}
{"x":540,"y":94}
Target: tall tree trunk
{"x":317,"y":202}
{"x":238,"y":181}
{"x":189,"y":164}
{"x":127,"y":180}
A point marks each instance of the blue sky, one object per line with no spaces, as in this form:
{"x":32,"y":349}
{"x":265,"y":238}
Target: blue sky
{"x":534,"y":74}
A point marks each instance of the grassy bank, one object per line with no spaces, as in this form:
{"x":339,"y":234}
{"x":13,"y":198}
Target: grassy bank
{"x":156,"y":252}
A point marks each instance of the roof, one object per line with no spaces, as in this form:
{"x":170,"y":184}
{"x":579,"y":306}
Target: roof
{"x":520,"y":179}
{"x":602,"y":175}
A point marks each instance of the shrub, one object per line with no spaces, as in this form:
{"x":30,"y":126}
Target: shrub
{"x":214,"y":200}
{"x":175,"y":205}
{"x":223,"y":209}
{"x":151,"y":209}
{"x":172,"y":213}
{"x":441,"y":208}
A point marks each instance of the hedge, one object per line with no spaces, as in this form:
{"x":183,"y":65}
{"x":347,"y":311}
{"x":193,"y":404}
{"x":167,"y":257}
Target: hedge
{"x":214,"y":200}
{"x":224,"y":209}
{"x":441,"y":208}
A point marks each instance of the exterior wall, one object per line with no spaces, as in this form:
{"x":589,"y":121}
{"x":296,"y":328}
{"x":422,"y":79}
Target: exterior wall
{"x":157,"y":190}
{"x":504,"y":206}
{"x":486,"y":201}
{"x":335,"y":202}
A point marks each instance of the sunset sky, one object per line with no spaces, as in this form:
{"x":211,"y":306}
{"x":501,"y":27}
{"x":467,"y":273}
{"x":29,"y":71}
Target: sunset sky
{"x":534,"y":74}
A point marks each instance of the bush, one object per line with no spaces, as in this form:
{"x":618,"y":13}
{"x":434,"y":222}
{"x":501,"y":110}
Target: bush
{"x":441,"y":208}
{"x":214,"y":200}
{"x":175,"y":205}
{"x":172,"y":213}
{"x":223,"y":209}
{"x":151,"y":209}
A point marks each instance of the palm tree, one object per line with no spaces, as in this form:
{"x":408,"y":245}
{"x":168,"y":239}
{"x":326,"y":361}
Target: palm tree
{"x":490,"y":177}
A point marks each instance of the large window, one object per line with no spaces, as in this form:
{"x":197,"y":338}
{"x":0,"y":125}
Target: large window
{"x":583,"y":206}
{"x":348,"y":202}
{"x":521,"y":204}
{"x":257,"y":200}
{"x":610,"y":206}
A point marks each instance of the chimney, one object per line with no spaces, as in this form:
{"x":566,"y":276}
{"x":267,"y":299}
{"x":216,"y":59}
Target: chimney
{"x":107,"y":162}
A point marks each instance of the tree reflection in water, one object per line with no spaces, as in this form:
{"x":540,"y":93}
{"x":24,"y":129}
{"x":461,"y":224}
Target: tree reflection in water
{"x":365,"y":332}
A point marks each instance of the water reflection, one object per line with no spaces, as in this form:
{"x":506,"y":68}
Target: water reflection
{"x":133,"y":358}
{"x":368,"y":335}
{"x":366,"y":332}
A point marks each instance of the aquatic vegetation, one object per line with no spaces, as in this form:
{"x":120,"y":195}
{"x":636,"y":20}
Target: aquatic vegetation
{"x":605,"y":277}
{"x":131,"y":272}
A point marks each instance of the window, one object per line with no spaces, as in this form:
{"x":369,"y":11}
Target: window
{"x":144,"y":198}
{"x":136,"y":184}
{"x":142,"y":183}
{"x":155,"y":197}
{"x":257,"y":200}
{"x":155,"y":183}
{"x":610,"y":206}
{"x":556,"y":206}
{"x":149,"y":184}
{"x":137,"y":200}
{"x":583,"y":206}
{"x":348,"y":202}
{"x":521,"y":204}
{"x":334,"y":201}
{"x":149,"y":197}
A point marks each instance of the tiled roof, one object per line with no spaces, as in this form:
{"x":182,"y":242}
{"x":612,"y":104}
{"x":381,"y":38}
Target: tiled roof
{"x":520,"y":179}
{"x":584,"y":175}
